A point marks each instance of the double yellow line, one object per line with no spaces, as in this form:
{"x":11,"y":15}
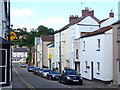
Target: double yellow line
{"x":25,"y":82}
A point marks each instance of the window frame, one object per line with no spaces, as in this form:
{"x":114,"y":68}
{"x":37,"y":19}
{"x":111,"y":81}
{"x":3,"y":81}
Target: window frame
{"x":118,"y":34}
{"x":98,"y":45}
{"x":77,"y":54}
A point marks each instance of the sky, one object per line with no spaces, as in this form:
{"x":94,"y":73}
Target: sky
{"x":55,"y":13}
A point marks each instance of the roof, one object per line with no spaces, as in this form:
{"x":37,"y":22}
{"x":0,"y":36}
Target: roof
{"x":118,"y":22}
{"x":47,"y":38}
{"x":99,"y":31}
{"x":75,"y":22}
{"x":20,"y":50}
{"x":103,"y":20}
{"x":3,"y":41}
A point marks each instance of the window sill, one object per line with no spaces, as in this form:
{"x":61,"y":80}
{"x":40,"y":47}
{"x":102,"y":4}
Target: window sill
{"x":98,"y":73}
{"x":98,"y":50}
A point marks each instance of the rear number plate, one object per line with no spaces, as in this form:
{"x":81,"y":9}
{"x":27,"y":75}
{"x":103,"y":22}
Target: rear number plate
{"x":75,"y":80}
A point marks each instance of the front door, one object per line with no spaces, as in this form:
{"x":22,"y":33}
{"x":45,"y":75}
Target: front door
{"x":77,"y":66}
{"x":91,"y":70}
{"x":3,"y":66}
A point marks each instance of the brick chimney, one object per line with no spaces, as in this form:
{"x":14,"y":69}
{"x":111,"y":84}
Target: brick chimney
{"x":87,"y":12}
{"x":71,"y":18}
{"x":111,"y":14}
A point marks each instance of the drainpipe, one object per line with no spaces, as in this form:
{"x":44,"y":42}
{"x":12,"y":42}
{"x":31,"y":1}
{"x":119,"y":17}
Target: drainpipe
{"x":60,"y":64}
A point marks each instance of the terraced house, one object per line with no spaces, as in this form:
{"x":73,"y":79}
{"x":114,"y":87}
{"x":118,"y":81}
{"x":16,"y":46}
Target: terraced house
{"x":77,"y":45}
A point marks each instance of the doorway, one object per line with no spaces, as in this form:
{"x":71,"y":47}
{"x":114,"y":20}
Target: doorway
{"x":77,"y":66}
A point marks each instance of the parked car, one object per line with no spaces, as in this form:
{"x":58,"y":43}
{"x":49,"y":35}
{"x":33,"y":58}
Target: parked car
{"x":39,"y":72}
{"x":52,"y":75}
{"x":30,"y":68}
{"x":23,"y":65}
{"x":35,"y":71}
{"x":70,"y":76}
{"x":45,"y":72}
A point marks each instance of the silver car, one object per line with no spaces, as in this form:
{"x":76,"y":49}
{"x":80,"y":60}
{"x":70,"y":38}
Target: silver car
{"x":45,"y":72}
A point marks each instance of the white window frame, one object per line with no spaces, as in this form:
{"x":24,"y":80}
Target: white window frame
{"x":4,"y":66}
{"x":98,"y":44}
{"x":83,"y":45}
{"x":118,"y":34}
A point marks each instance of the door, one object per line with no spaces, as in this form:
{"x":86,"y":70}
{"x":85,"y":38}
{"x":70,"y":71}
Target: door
{"x":3,"y":66}
{"x":77,"y":66}
{"x":91,"y":70}
{"x":118,"y":65}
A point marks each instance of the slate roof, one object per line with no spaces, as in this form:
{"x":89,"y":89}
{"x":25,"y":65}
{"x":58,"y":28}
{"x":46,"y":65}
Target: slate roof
{"x":20,"y":50}
{"x":47,"y":38}
{"x":118,"y":22}
{"x":101,"y":21}
{"x":75,"y":22}
{"x":99,"y":31}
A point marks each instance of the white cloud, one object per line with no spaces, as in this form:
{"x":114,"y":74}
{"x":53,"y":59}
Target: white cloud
{"x":53,"y":22}
{"x":22,"y":18}
{"x":21,"y":12}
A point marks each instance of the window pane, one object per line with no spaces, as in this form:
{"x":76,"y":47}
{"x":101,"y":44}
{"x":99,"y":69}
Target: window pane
{"x":2,"y":72}
{"x":118,"y":31}
{"x":2,"y":57}
{"x":119,"y":66}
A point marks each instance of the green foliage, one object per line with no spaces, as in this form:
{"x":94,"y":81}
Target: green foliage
{"x":27,"y":39}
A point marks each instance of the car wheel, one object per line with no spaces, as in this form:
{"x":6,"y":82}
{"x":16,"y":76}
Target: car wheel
{"x":50,"y":78}
{"x":81,"y":83}
{"x":59,"y":80}
{"x":65,"y":82}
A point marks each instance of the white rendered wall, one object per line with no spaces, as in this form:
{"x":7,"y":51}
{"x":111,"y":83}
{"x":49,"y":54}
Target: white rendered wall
{"x":104,"y":57}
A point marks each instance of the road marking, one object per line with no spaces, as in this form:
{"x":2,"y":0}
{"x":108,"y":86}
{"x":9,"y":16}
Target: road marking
{"x":25,"y":82}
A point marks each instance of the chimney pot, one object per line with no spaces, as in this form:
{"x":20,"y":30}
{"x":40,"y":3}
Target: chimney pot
{"x":111,"y":14}
{"x":87,"y":12}
{"x":71,"y":18}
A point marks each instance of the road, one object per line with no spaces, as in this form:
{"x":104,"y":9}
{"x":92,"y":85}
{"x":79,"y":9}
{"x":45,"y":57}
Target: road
{"x":24,"y":79}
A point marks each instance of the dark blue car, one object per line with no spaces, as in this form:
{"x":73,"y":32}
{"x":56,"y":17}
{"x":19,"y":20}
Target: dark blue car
{"x":70,"y":76}
{"x":31,"y":68}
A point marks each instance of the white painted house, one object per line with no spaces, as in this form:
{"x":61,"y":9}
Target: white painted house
{"x":19,"y":54}
{"x":64,"y":38}
{"x":42,"y":50}
{"x":88,"y":26}
{"x":96,"y":55}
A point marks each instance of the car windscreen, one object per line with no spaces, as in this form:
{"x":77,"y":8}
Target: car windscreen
{"x":46,"y":70}
{"x":37,"y":68}
{"x":31,"y":67}
{"x":54,"y":72}
{"x":71,"y":72}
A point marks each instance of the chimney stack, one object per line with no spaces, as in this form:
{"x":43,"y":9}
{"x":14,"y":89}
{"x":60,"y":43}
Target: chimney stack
{"x":87,"y":12}
{"x":111,"y":14}
{"x":72,"y":18}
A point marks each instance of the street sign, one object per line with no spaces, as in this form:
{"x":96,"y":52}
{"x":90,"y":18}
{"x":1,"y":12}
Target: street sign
{"x":12,"y":35}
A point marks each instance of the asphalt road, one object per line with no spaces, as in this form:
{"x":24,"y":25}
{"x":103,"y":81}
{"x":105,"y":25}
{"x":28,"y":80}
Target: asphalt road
{"x":24,"y":79}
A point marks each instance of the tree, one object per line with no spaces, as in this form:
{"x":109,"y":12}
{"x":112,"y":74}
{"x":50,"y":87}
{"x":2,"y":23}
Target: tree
{"x":42,"y":30}
{"x":28,"y":41}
